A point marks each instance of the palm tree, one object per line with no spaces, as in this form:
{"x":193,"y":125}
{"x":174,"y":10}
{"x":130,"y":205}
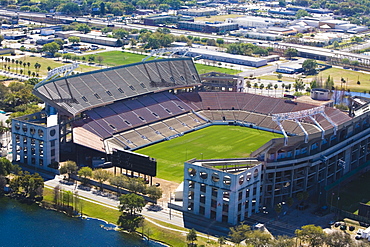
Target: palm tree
{"x":37,"y":66}
{"x":255,"y":86}
{"x":275,"y":87}
{"x":261,"y":87}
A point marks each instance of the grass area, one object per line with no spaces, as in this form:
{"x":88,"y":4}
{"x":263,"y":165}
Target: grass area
{"x":115,"y":58}
{"x":350,"y":76}
{"x":110,"y":215}
{"x":44,"y":62}
{"x":274,"y":78}
{"x":217,"y":17}
{"x":348,"y":199}
{"x":202,"y":69}
{"x":226,"y":142}
{"x":172,"y":238}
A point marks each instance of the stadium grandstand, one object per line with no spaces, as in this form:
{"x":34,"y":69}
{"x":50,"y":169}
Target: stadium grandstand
{"x":132,"y":106}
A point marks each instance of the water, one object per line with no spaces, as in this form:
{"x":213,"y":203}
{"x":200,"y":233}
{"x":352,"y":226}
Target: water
{"x":30,"y":225}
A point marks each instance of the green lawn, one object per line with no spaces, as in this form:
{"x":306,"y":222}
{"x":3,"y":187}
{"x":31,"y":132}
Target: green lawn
{"x":274,"y":78}
{"x":44,"y":62}
{"x":202,"y":69}
{"x":350,"y":76}
{"x":211,"y":142}
{"x":115,"y":58}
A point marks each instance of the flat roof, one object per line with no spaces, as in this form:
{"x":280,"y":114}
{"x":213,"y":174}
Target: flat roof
{"x":223,"y":54}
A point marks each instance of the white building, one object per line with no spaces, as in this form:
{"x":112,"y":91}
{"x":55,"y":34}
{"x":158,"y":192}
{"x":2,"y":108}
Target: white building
{"x":226,"y":190}
{"x":257,"y":22}
{"x":225,"y":57}
{"x":35,"y":139}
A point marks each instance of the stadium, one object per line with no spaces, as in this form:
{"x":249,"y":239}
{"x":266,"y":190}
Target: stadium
{"x":89,"y":116}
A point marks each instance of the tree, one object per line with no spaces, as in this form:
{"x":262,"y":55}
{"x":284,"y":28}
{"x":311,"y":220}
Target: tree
{"x":220,"y":41}
{"x":314,"y":235}
{"x":131,"y":203}
{"x":52,"y":48}
{"x":118,"y":181}
{"x":70,"y":167}
{"x":338,"y":239}
{"x":6,"y":167}
{"x":258,"y":238}
{"x":100,"y":59}
{"x":102,"y":8}
{"x":191,"y":237}
{"x":136,"y":185}
{"x":290,"y":52}
{"x":58,"y":55}
{"x":283,"y":241}
{"x":3,"y":183}
{"x":101,"y":175}
{"x":275,"y":87}
{"x":154,"y":193}
{"x":221,"y":241}
{"x":329,"y":83}
{"x":299,"y":84}
{"x":84,"y":173}
{"x":279,"y":76}
{"x":74,"y":39}
{"x":238,"y":233}
{"x":120,"y":33}
{"x":1,"y":39}
{"x":301,"y":13}
{"x":37,"y":66}
{"x":262,"y":87}
{"x":255,"y":86}
{"x":309,"y":66}
{"x":84,"y":28}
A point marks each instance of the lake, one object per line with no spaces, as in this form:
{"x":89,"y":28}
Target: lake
{"x":30,"y":225}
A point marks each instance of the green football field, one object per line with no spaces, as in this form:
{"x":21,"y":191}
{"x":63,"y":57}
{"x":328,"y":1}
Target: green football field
{"x":208,"y":143}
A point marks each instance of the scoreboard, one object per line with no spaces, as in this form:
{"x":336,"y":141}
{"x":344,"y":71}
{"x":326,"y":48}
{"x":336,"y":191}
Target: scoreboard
{"x":135,"y":162}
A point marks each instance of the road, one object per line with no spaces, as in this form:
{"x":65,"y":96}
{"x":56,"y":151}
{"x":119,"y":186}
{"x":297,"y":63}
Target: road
{"x":151,"y":212}
{"x":160,"y":212}
{"x":302,"y":48}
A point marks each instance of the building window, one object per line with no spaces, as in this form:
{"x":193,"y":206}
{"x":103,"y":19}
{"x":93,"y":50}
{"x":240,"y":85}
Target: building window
{"x":52,"y":143}
{"x":203,"y":188}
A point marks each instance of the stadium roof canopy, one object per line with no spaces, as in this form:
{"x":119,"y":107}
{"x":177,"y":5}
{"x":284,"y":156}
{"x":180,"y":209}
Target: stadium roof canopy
{"x":77,"y":93}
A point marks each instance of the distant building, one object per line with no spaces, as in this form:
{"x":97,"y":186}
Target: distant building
{"x":14,"y":36}
{"x":291,"y":67}
{"x":159,"y":19}
{"x":198,"y":12}
{"x":257,"y":22}
{"x":206,"y":27}
{"x":165,"y":19}
{"x":47,"y":32}
{"x":215,"y":81}
{"x":225,"y":57}
{"x":88,"y":38}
